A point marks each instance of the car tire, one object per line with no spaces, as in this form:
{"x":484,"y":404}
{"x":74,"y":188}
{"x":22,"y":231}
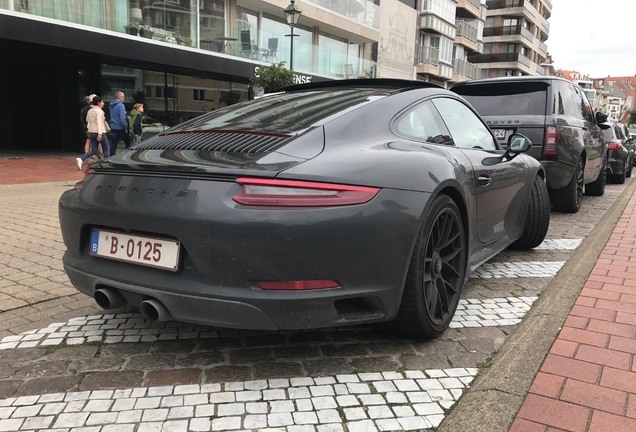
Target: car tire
{"x":597,"y":187}
{"x":568,"y":199}
{"x":620,"y":178}
{"x":538,"y":218}
{"x":436,"y":273}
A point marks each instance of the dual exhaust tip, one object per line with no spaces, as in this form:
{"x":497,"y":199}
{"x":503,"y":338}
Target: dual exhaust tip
{"x":152,"y":309}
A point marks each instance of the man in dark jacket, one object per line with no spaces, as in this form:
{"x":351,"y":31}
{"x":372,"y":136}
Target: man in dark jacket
{"x":118,"y":123}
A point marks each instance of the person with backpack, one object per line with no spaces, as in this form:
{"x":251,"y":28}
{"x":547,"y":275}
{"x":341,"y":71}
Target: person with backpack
{"x":134,"y":122}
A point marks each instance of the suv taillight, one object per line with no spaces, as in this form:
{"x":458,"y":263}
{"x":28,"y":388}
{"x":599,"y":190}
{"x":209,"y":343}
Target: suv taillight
{"x":551,"y":139}
{"x":612,"y":145}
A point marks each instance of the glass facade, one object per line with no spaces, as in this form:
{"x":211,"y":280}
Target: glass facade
{"x":208,"y":25}
{"x":168,"y":98}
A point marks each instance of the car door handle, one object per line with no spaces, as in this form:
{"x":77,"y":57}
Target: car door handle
{"x":484,"y":180}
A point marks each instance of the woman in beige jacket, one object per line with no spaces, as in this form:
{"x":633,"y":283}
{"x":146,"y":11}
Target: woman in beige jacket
{"x":96,"y":121}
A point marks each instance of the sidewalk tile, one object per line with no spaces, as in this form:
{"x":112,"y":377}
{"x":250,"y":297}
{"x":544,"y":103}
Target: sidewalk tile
{"x":612,"y":328}
{"x":605,"y":422}
{"x":552,"y":412}
{"x":564,"y":348}
{"x":547,"y":385}
{"x":571,"y":368}
{"x":594,"y":396}
{"x":602,"y":356}
{"x":584,"y":336}
{"x":521,"y":425}
{"x":619,"y":379}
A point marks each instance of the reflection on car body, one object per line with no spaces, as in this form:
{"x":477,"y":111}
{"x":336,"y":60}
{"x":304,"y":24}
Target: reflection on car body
{"x":328,"y":204}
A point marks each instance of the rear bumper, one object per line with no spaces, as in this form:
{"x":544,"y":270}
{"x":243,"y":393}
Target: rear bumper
{"x":252,"y":310}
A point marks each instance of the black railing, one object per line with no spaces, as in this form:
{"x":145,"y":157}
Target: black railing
{"x":502,"y":4}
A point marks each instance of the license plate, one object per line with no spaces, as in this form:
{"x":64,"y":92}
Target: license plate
{"x":135,"y":249}
{"x":499,"y":133}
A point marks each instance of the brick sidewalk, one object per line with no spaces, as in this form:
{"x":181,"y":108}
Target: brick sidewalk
{"x":587,"y":382}
{"x":22,"y":168}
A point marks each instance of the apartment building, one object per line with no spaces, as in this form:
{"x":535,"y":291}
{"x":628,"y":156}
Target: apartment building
{"x":515,"y":33}
{"x":450,"y":32}
{"x":181,"y":58}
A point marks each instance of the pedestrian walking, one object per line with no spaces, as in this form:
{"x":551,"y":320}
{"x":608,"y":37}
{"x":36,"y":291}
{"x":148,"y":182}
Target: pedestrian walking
{"x":134,"y":122}
{"x":96,"y":126}
{"x":88,"y":103}
{"x":118,"y":123}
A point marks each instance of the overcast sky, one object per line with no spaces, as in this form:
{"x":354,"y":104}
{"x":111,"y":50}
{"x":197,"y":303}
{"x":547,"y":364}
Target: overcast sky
{"x":594,"y":37}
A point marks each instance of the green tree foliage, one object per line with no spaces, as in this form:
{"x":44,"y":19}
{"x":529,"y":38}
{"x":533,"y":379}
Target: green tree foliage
{"x":632,"y":117}
{"x":273,"y":78}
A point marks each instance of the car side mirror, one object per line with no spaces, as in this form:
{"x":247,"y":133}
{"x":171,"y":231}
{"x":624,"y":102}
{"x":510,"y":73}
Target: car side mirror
{"x":518,"y":143}
{"x":601,"y":117}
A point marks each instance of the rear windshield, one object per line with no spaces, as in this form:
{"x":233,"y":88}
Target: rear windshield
{"x":290,"y":112}
{"x":506,"y":98}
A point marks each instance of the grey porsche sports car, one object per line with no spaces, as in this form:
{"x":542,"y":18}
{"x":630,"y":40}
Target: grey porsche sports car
{"x":328,"y":204}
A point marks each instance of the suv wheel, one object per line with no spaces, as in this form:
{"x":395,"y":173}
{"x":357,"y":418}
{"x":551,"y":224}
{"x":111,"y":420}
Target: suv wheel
{"x":568,"y":199}
{"x":597,"y":187}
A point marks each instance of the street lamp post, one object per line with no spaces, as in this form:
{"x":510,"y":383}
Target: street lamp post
{"x":292,"y":14}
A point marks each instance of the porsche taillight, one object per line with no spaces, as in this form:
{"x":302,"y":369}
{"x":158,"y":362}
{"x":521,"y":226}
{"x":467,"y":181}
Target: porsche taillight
{"x":80,"y":184}
{"x":551,"y":140}
{"x":292,"y":193}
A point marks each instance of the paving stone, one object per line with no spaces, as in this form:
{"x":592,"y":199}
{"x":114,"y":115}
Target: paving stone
{"x":49,"y":385}
{"x":108,"y":380}
{"x":172,"y":377}
{"x":47,"y":368}
{"x":75,"y":353}
{"x":277,"y":370}
{"x":151,"y":361}
{"x":201,"y":360}
{"x":329,"y":366}
{"x":227,"y":373}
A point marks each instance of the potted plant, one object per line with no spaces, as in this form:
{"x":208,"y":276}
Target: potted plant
{"x":272,"y":78}
{"x":146,"y":32}
{"x":132,"y":28}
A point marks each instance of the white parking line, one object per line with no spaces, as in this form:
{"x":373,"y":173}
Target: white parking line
{"x":366,"y":402}
{"x":128,"y":327}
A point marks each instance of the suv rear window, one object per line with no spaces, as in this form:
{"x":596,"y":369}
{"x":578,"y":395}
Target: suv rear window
{"x":506,"y":98}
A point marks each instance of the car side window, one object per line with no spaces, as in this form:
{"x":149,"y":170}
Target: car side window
{"x":619,"y":132}
{"x":571,"y":103}
{"x":585,"y":108}
{"x":421,"y":123}
{"x":466,"y":128}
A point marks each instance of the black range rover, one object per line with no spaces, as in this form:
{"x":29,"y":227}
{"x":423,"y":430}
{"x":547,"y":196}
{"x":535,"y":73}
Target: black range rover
{"x":557,"y":117}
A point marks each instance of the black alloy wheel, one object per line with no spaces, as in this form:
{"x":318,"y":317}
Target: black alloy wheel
{"x":436,"y":274}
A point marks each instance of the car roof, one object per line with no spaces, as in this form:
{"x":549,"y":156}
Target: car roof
{"x":525,"y":78}
{"x":379,"y":83}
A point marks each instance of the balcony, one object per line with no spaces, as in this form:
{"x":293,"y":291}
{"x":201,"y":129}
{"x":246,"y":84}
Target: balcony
{"x":463,"y":70}
{"x":467,"y":34}
{"x":437,"y":24}
{"x":504,"y":4}
{"x":468,"y":9}
{"x":360,"y":11}
{"x":428,"y":60}
{"x":500,"y":58}
{"x":169,"y":31}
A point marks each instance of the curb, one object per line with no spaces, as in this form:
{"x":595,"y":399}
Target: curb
{"x":491,"y":403}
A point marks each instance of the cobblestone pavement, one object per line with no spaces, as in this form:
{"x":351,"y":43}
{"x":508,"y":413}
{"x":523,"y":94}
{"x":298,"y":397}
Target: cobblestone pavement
{"x":66,"y":365}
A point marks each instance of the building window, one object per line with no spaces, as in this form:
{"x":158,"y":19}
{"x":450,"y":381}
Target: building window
{"x":198,"y":95}
{"x":166,"y":92}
